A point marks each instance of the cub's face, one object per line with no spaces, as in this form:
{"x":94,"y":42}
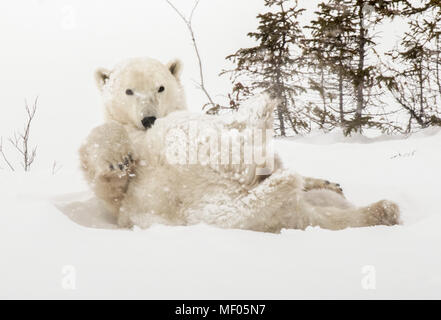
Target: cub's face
{"x":140,"y":90}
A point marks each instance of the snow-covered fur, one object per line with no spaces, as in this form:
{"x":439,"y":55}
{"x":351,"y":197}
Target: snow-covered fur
{"x":144,"y":78}
{"x":148,"y":176}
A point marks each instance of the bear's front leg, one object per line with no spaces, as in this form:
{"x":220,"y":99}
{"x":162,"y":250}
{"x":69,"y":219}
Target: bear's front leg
{"x":108,"y":161}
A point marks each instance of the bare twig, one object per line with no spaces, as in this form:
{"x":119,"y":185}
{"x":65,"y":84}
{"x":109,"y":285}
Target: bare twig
{"x":4,"y":156}
{"x":20,"y":141}
{"x":188,"y":23}
{"x":55,"y":168}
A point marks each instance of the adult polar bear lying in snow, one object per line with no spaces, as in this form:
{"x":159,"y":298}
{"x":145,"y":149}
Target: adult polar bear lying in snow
{"x":127,"y":162}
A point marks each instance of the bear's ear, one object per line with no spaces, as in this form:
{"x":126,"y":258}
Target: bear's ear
{"x":175,"y":67}
{"x":101,"y":77}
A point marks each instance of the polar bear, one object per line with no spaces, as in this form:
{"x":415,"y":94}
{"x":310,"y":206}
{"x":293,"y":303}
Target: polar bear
{"x":127,"y":163}
{"x":135,"y":93}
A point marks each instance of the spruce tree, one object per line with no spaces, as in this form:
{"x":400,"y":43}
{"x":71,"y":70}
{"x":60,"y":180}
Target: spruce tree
{"x":330,"y":51}
{"x":272,"y":66}
{"x":415,"y":78}
{"x":343,"y":41}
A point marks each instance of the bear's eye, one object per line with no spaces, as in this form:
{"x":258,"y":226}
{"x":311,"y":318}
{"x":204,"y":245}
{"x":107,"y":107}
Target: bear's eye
{"x":161,"y":88}
{"x":129,"y":92}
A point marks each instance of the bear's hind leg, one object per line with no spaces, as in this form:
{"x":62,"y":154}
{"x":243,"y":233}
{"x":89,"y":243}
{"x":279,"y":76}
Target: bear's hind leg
{"x":337,"y":216}
{"x":271,"y":205}
{"x":279,"y":202}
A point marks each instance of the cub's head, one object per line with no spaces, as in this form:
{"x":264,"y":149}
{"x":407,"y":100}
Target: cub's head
{"x":138,"y":91}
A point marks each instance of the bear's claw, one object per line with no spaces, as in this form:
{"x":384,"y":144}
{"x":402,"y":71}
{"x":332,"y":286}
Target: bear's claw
{"x":124,"y":165}
{"x":123,"y":168}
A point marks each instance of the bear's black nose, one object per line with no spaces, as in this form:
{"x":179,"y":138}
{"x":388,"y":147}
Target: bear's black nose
{"x":147,"y":122}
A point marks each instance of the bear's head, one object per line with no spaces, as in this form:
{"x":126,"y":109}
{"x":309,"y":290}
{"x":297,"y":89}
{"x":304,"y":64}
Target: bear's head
{"x":139,"y":90}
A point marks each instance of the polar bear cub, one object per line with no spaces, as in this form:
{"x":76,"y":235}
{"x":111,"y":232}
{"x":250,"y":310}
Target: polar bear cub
{"x":127,"y":163}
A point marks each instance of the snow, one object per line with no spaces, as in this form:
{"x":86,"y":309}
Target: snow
{"x":53,"y":227}
{"x":55,"y":236}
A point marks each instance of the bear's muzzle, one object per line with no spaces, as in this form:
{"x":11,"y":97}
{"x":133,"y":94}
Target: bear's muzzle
{"x":148,"y":122}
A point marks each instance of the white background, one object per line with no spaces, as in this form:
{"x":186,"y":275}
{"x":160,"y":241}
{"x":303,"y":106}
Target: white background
{"x":51,"y":48}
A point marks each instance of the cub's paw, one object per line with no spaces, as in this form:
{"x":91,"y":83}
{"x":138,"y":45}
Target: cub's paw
{"x":333,"y":186}
{"x":311,"y":184}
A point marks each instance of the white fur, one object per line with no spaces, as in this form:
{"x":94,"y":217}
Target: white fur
{"x":150,"y":189}
{"x":143,"y":76}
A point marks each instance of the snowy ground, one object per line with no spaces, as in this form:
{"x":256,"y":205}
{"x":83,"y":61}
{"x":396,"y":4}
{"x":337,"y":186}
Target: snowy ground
{"x":47,"y":239}
{"x":55,"y":235}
